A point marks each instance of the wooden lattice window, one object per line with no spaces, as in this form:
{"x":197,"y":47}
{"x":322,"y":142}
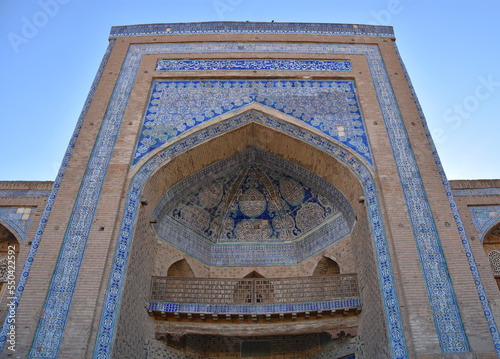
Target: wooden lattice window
{"x":494,"y":258}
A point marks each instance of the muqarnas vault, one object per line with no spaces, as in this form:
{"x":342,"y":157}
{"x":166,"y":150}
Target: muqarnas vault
{"x":253,"y":190}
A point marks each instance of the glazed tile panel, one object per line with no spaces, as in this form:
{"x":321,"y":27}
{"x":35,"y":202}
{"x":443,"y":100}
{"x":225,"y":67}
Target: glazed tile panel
{"x":476,"y":192}
{"x":250,"y":309}
{"x":24,"y":193}
{"x":17,"y":219}
{"x":484,"y":217}
{"x":330,"y":106}
{"x":253,"y":254}
{"x":289,"y":65}
{"x":253,"y":214}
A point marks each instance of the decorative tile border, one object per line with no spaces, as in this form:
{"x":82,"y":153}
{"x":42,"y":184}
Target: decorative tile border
{"x":115,"y":286}
{"x":289,"y":65}
{"x":251,"y":28}
{"x":17,"y":219}
{"x":255,"y":308}
{"x":476,"y":192}
{"x":484,"y":217}
{"x":465,"y":241}
{"x":50,"y":202}
{"x":24,"y":193}
{"x":447,"y":319}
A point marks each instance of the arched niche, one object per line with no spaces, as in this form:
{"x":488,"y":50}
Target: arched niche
{"x":177,"y":162}
{"x":253,"y":209}
{"x":180,"y":268}
{"x":491,"y":244}
{"x":326,"y":266}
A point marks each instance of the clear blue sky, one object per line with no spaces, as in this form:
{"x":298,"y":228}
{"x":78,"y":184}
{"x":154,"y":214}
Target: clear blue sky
{"x":451,"y":51}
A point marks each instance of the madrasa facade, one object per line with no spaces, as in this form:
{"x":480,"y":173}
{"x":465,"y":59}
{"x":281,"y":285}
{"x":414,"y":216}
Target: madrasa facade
{"x":250,"y":190}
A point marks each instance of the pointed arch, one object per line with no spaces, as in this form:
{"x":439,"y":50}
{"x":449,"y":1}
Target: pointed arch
{"x":7,"y":231}
{"x":211,"y":144}
{"x":491,"y":245}
{"x":492,"y":234}
{"x":256,"y":112}
{"x":326,"y":266}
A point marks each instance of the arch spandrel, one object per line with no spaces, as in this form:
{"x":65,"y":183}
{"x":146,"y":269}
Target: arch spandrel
{"x":9,"y":235}
{"x":492,"y":234}
{"x":329,"y":107}
{"x":293,"y":144}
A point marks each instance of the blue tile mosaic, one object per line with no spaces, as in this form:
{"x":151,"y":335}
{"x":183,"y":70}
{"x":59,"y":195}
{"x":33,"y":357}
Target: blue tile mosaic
{"x":106,"y":139}
{"x":458,"y":220}
{"x":24,"y":193}
{"x":17,"y":220}
{"x":324,"y":105}
{"x":255,"y":308}
{"x":484,"y":217}
{"x":52,"y":353}
{"x":289,"y":65}
{"x":476,"y":192}
{"x":208,"y":224}
{"x":251,"y":28}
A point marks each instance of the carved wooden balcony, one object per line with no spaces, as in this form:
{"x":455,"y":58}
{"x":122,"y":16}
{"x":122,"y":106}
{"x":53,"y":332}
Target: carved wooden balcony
{"x":256,"y":300}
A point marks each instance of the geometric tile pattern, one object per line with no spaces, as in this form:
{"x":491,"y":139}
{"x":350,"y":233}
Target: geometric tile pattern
{"x":24,"y":193}
{"x":272,"y":217}
{"x":463,"y":236}
{"x":115,"y":285}
{"x":255,"y":308}
{"x":329,"y":106}
{"x":476,"y":192}
{"x":53,"y":341}
{"x":255,"y":204}
{"x":17,"y":219}
{"x":289,"y":65}
{"x":251,"y":28}
{"x":484,"y":218}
